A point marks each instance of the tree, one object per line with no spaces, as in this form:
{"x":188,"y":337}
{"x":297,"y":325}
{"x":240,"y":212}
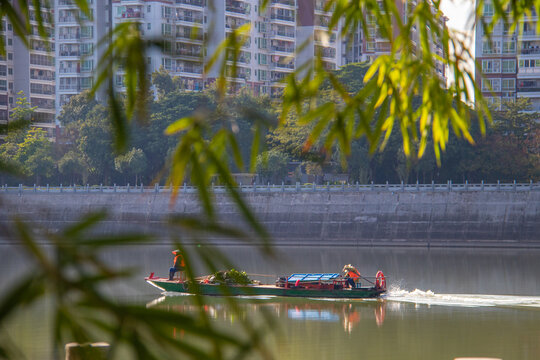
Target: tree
{"x":272,"y":165}
{"x":131,"y":163}
{"x":516,"y":119}
{"x":94,"y":142}
{"x":163,"y":82}
{"x":351,"y":76}
{"x":73,"y":165}
{"x":36,"y":155}
{"x":20,"y":119}
{"x":78,"y":108}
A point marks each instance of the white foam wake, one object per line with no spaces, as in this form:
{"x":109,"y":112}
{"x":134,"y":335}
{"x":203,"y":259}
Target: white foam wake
{"x":465,"y":300}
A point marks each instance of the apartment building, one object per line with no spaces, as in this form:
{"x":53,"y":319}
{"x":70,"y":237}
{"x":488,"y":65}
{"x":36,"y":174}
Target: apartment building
{"x":78,"y":47}
{"x":498,"y":58}
{"x":7,"y":98}
{"x":509,"y":61}
{"x":30,"y":70}
{"x":192,"y":31}
{"x":283,"y":37}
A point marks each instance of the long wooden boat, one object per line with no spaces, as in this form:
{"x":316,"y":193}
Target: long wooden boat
{"x":296,"y":285}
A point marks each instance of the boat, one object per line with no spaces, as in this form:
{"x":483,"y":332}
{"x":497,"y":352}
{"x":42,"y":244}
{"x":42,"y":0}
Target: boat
{"x":324,"y":285}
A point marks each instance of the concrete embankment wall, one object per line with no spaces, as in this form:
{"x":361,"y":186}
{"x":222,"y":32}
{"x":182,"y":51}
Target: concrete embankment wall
{"x":474,"y":218}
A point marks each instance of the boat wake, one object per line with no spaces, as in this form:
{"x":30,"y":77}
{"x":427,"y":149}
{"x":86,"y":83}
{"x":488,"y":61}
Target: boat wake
{"x":464,"y":300}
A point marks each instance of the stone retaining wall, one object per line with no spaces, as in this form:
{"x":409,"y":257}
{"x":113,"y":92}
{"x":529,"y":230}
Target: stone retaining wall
{"x":475,"y":218}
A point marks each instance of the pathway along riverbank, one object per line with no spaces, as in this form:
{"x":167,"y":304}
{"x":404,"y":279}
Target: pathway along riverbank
{"x":475,"y":216}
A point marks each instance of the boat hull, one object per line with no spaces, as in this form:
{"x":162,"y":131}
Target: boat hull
{"x":264,"y":290}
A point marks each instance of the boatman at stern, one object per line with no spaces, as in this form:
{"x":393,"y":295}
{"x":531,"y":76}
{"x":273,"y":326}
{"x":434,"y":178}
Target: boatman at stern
{"x":351,"y":274}
{"x":178,"y":265}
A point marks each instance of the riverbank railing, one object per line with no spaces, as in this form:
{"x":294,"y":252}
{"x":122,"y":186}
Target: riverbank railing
{"x":277,"y":188}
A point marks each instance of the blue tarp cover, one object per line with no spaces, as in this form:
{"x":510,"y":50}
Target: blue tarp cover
{"x":312,"y":277}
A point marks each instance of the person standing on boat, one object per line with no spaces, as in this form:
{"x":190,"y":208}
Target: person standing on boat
{"x":178,"y":265}
{"x":351,"y":274}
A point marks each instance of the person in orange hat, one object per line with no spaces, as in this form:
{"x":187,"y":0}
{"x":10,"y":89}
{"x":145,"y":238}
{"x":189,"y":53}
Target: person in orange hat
{"x":178,"y":266}
{"x":352,"y":275}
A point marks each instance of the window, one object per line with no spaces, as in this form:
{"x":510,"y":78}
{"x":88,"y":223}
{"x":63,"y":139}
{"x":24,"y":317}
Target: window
{"x":508,"y":84}
{"x":86,"y":82}
{"x":10,"y":71}
{"x":10,"y":56}
{"x":87,"y":32}
{"x":491,"y":66}
{"x":87,"y":65}
{"x":87,"y":49}
{"x":167,"y":63}
{"x":149,"y":8}
{"x":9,"y":41}
{"x":509,"y":47}
{"x":149,"y":26}
{"x":488,"y":9}
{"x":3,"y":85}
{"x":509,"y":66}
{"x":166,"y":12}
{"x":491,"y":84}
{"x":491,"y":47}
{"x":166,"y":29}
{"x":119,"y":80}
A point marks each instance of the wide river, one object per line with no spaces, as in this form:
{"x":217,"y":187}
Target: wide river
{"x":442,"y":303}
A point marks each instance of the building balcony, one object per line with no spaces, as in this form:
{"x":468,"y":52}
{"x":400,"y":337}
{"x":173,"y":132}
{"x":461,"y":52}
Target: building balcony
{"x":287,"y":34}
{"x":529,"y":71}
{"x":190,"y":39}
{"x":75,"y":87}
{"x":42,"y":93}
{"x":530,"y":51}
{"x":131,"y":15}
{"x":284,"y":49}
{"x":42,"y":78}
{"x":238,"y":9}
{"x":200,"y":3}
{"x":283,"y":2}
{"x":69,"y":53}
{"x":66,"y":3}
{"x":189,"y":69}
{"x":68,"y":71}
{"x":284,"y":66}
{"x":67,"y":19}
{"x":190,"y":19}
{"x":186,"y":52}
{"x":69,"y":37}
{"x":283,"y":17}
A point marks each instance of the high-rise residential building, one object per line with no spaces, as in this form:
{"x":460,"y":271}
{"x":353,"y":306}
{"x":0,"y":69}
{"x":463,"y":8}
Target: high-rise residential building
{"x":78,"y":47}
{"x":192,"y":30}
{"x":30,"y":70}
{"x":507,"y":61}
{"x":283,"y":37}
{"x":6,"y":73}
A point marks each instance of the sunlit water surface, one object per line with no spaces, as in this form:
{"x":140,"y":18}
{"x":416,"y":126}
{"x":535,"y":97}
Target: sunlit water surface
{"x":441,"y":304}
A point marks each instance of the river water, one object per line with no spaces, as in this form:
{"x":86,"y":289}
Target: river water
{"x":441,"y":304}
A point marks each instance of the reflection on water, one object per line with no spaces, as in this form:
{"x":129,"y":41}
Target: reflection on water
{"x":344,"y":312}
